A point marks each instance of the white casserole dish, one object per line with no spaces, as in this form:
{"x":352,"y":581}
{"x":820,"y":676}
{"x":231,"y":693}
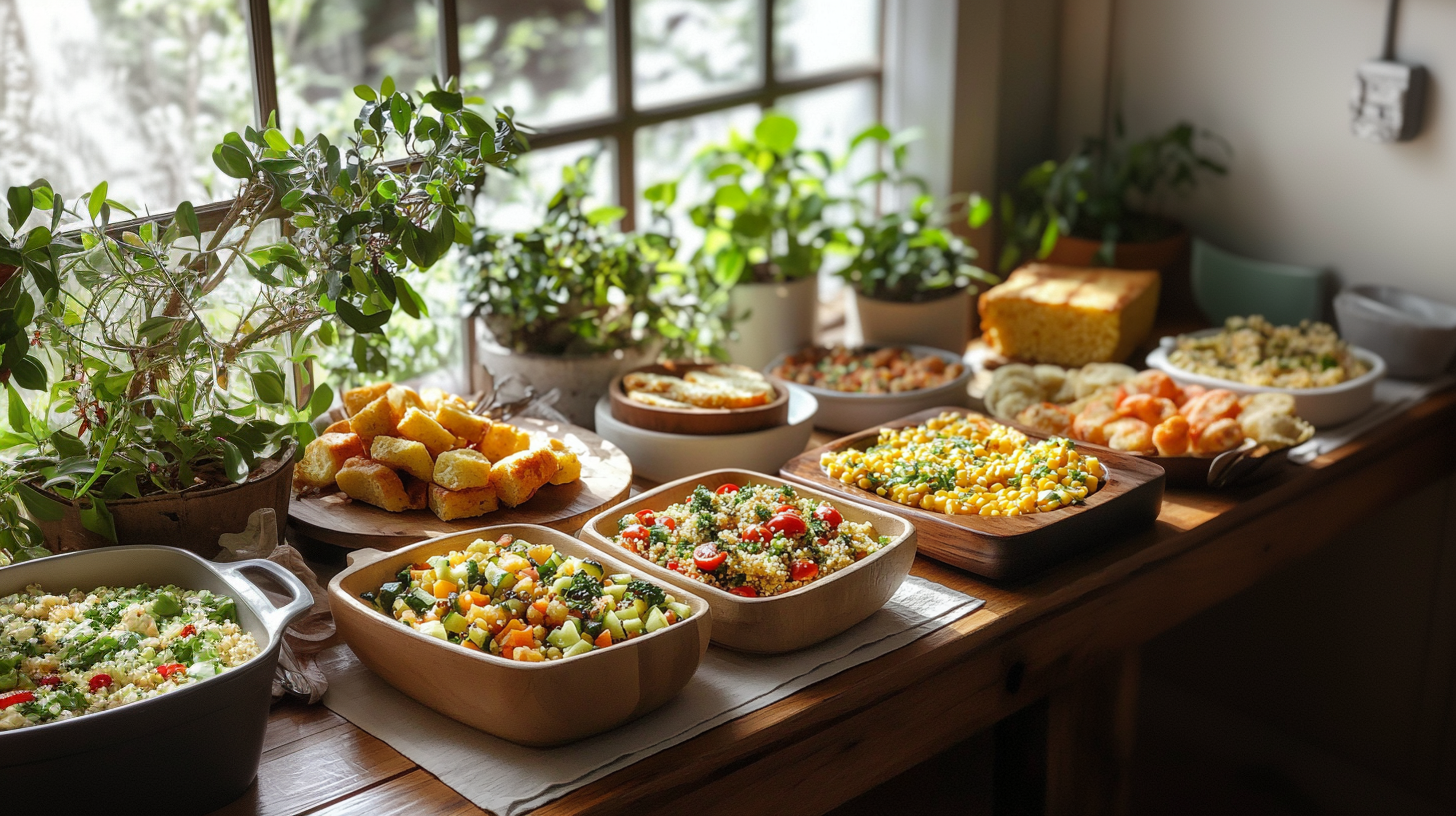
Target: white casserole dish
{"x":1321,"y":407}
{"x":846,"y":412}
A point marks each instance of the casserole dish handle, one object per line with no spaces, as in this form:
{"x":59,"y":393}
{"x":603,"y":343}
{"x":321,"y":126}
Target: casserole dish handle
{"x":275,"y":619}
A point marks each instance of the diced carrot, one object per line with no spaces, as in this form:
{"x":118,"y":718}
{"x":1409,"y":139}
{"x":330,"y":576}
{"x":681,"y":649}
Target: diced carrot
{"x":511,"y":626}
{"x":540,"y":606}
{"x":456,"y":559}
{"x":470,"y":644}
{"x":519,"y":637}
{"x":604,"y":640}
{"x":671,"y":616}
{"x":444,"y":588}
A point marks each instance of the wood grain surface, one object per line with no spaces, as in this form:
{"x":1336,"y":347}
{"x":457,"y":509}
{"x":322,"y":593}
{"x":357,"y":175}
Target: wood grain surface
{"x":839,"y":738}
{"x":1007,"y":548}
{"x":606,"y":479}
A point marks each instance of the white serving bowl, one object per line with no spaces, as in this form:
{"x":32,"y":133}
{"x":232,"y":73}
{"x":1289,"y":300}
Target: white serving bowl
{"x":846,"y":412}
{"x":663,"y":457}
{"x":1321,"y":407}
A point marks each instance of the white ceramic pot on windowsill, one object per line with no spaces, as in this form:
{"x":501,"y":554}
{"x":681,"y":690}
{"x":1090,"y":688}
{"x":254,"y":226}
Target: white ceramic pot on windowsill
{"x":944,"y":323}
{"x":781,"y":318}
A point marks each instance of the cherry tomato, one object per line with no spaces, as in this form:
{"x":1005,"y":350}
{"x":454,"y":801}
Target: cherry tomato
{"x":166,"y":670}
{"x":745,"y":590}
{"x":757,"y":533}
{"x":187,"y":631}
{"x":666,"y":521}
{"x":635,"y":532}
{"x":788,"y":524}
{"x":674,"y":566}
{"x":100,"y":682}
{"x":726,"y":489}
{"x":646,"y":517}
{"x":708,"y":558}
{"x":787,"y":508}
{"x":15,"y":698}
{"x":49,"y":681}
{"x":828,"y":515}
{"x":804,"y":570}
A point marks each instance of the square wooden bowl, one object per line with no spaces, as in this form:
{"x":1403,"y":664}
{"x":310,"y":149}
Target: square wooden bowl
{"x":1007,"y":548}
{"x":795,"y":619}
{"x":537,"y":704}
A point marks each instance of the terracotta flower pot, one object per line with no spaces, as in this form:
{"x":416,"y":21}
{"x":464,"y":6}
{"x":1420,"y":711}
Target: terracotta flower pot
{"x":1169,"y":256}
{"x":581,"y":379}
{"x":191,"y":520}
{"x":944,"y":323}
{"x":781,"y":317}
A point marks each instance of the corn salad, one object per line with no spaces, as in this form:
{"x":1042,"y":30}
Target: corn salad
{"x":965,"y":464}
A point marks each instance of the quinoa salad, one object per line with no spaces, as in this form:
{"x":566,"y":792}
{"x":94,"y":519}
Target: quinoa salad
{"x":62,"y":656}
{"x":1253,"y":351}
{"x":524,"y":601}
{"x":754,"y":541}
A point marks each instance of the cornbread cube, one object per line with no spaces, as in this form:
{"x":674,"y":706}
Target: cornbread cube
{"x":323,"y":457}
{"x":432,"y":398}
{"x":568,"y":466}
{"x":502,"y":440}
{"x":403,"y":454}
{"x":373,"y":483}
{"x":356,"y":398}
{"x":462,"y":423}
{"x":517,"y":477}
{"x":342,"y":426}
{"x":1069,"y":316}
{"x":421,"y":427}
{"x":461,"y":469}
{"x":401,"y":399}
{"x":374,"y":419}
{"x":418,"y":491}
{"x":469,"y":503}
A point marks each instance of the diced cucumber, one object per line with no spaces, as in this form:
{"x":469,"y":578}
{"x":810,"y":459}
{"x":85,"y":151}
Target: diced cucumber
{"x":455,"y":623}
{"x":433,"y":629}
{"x":477,"y":636}
{"x":440,"y":563}
{"x":561,"y":584}
{"x":579,"y":647}
{"x":515,"y":605}
{"x":388,"y":593}
{"x":614,"y":625}
{"x":656,"y":620}
{"x":493,"y":574}
{"x":623,"y":578}
{"x":682,"y":610}
{"x":565,"y":637}
{"x":639,"y":605}
{"x":419,"y":600}
{"x":204,"y":669}
{"x":592,"y":568}
{"x":630,"y":613}
{"x":617,"y":591}
{"x":633,"y":625}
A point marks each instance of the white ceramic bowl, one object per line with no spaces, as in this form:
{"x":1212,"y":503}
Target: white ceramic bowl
{"x":846,"y":413}
{"x":1321,"y":407}
{"x":663,"y":457}
{"x":1415,"y":335}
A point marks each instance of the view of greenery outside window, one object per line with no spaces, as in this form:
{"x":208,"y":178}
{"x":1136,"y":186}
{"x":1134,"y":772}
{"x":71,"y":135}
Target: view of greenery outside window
{"x":138,"y":92}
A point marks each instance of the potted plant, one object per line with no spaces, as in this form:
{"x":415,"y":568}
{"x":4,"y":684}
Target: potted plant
{"x":1100,"y":206}
{"x":764,"y":233}
{"x":155,"y":407}
{"x":574,"y":302}
{"x":910,"y":278}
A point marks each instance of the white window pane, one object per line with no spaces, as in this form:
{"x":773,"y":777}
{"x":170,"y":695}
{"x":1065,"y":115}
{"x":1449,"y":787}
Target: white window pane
{"x":664,"y":153}
{"x":548,"y":59}
{"x":813,"y":36}
{"x":515,"y":203}
{"x":135,"y":94}
{"x":323,"y":48}
{"x":683,"y":49}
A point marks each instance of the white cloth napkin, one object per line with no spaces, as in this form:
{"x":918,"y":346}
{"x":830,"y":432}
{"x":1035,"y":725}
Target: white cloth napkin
{"x":1391,"y":398}
{"x":509,"y":779}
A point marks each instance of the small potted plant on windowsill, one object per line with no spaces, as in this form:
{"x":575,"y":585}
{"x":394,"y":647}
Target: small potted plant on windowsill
{"x":764,"y":233}
{"x":1100,"y":206}
{"x":573,"y":303}
{"x":148,"y":404}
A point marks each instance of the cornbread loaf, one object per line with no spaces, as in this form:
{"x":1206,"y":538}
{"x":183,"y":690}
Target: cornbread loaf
{"x":1069,"y":316}
{"x":403,"y":454}
{"x":323,"y":457}
{"x":462,"y":469}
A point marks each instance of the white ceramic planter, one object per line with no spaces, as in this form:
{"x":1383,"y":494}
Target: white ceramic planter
{"x":943,"y":324}
{"x":781,"y":318}
{"x":582,"y":380}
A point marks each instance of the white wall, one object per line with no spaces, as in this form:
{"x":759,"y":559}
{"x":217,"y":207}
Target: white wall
{"x":1274,"y":77}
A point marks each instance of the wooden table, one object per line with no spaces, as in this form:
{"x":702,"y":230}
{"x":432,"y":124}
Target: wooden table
{"x":1069,"y":636}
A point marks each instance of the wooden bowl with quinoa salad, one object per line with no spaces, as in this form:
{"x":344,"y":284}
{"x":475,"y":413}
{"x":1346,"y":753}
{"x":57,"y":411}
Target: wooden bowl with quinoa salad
{"x":782,"y":566}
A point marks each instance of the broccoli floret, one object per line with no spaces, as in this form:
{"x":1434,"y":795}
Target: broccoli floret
{"x":651,"y":593}
{"x":583,"y":592}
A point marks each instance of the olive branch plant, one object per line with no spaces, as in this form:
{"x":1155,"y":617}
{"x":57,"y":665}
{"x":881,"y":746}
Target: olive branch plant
{"x":150,"y":355}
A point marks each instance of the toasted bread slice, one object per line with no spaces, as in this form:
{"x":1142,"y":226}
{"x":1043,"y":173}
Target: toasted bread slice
{"x":568,"y":466}
{"x":403,"y":454}
{"x":502,"y":440}
{"x":323,"y":457}
{"x":658,"y":401}
{"x":373,"y":483}
{"x":517,"y":477}
{"x":456,"y":504}
{"x":462,"y":469}
{"x":421,"y":427}
{"x":356,"y":398}
{"x":374,"y":419}
{"x":462,"y":423}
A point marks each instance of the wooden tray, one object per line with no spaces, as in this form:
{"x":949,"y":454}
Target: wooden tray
{"x":1007,"y":548}
{"x":698,"y":421}
{"x":606,"y":479}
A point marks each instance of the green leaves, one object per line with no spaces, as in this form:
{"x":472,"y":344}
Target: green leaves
{"x":365,"y":93}
{"x":235,"y":467}
{"x":232,"y":157}
{"x":268,"y":385}
{"x":96,"y":517}
{"x":321,"y":400}
{"x":777,"y":132}
{"x":40,"y":506}
{"x":22,"y":202}
{"x":96,"y":200}
{"x":358,"y":321}
{"x":186,"y":220}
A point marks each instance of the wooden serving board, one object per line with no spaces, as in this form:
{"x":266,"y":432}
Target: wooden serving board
{"x":606,"y":479}
{"x":1005,"y":548}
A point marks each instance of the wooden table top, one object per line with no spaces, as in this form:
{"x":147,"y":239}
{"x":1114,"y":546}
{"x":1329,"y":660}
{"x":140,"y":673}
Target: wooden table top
{"x":853,"y":731}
